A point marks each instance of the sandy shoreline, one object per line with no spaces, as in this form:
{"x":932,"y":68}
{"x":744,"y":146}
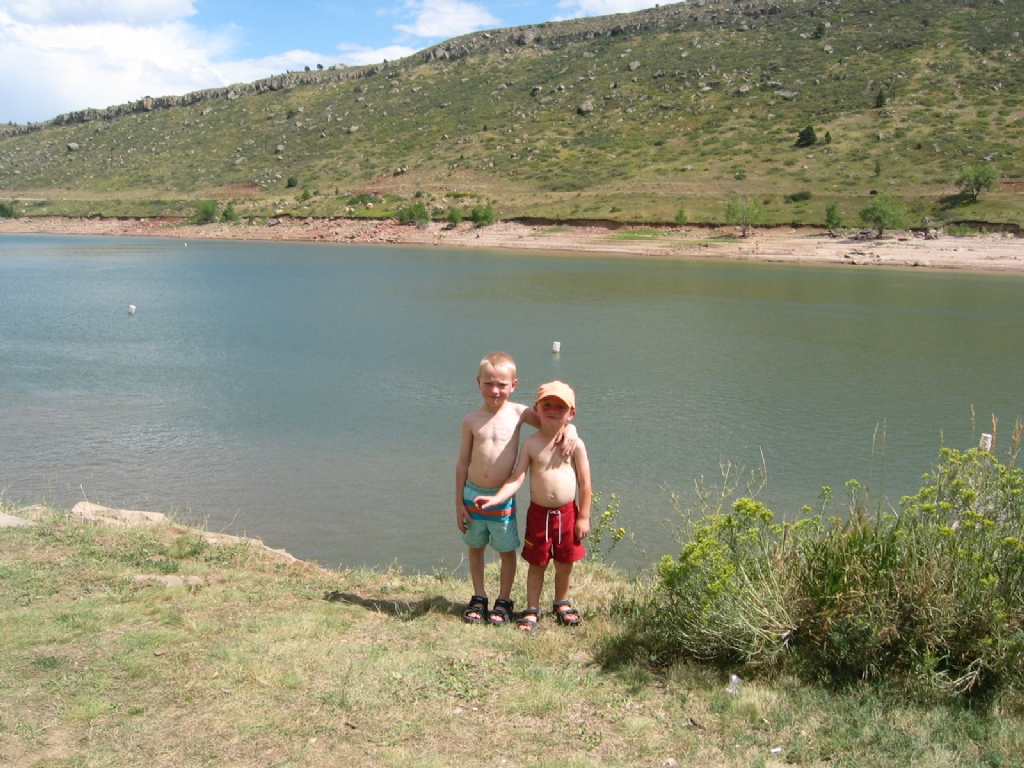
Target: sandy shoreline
{"x":996,"y":252}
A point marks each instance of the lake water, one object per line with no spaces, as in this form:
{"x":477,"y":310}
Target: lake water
{"x":311,"y":394}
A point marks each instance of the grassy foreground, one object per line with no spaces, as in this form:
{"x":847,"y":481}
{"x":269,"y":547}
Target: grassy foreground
{"x":257,"y":667}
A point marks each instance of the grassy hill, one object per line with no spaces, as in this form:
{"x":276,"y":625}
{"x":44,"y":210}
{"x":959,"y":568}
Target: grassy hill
{"x":624,"y":117}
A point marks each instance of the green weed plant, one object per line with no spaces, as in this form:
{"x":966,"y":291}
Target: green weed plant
{"x":928,"y":597}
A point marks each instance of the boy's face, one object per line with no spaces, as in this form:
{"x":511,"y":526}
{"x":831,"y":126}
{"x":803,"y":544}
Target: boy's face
{"x":554,"y":412}
{"x":495,"y":385}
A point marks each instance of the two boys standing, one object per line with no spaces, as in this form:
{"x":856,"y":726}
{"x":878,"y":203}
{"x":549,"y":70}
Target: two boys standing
{"x":487,"y":476}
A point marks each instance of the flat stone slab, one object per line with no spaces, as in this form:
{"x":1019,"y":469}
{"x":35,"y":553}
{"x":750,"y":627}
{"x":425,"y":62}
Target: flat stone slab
{"x":97,"y":514}
{"x":10,"y":521}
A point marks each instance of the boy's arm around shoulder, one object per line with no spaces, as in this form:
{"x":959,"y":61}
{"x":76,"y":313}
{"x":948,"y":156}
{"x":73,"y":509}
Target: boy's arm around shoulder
{"x":581,"y":463}
{"x":462,"y":517}
{"x":567,"y":437}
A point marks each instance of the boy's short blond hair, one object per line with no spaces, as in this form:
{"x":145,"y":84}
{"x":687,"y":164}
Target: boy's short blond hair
{"x":499,"y":361}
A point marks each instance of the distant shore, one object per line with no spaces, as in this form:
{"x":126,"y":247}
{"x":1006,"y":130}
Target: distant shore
{"x":991,"y":252}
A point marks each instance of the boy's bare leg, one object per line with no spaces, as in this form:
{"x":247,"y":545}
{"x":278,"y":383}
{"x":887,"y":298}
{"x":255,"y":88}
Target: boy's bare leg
{"x":563,"y":575}
{"x":534,"y":585}
{"x":508,"y":575}
{"x":476,"y":570}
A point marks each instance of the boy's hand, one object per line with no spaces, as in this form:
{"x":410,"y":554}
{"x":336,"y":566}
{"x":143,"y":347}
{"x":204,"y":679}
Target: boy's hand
{"x":482,"y":502}
{"x":582,"y":529}
{"x":567,"y":438}
{"x":462,"y":517}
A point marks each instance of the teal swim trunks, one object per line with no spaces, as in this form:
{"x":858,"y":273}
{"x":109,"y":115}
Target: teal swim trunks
{"x":494,"y":525}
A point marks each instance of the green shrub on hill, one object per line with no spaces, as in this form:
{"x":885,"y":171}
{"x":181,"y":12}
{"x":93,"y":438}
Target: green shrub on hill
{"x":417,"y":214}
{"x":6,"y":210}
{"x":883,"y":213}
{"x":205,"y":212}
{"x":482,"y":215}
{"x":833,"y":219}
{"x":975,"y":178}
{"x":807,"y":137}
{"x":744,"y":213}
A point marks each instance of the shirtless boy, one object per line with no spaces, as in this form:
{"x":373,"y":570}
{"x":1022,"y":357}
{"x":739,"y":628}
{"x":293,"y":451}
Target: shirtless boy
{"x":555,"y":525}
{"x":487,"y":454}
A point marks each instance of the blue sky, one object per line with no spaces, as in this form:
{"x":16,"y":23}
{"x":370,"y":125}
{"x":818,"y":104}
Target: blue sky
{"x":61,"y":55}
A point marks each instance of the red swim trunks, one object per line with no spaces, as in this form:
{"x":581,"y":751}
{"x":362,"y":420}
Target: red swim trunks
{"x":552,"y":532}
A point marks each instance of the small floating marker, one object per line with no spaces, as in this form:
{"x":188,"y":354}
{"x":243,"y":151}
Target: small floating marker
{"x":186,"y":245}
{"x":556,"y":347}
{"x":131,"y":309}
{"x":986,"y":443}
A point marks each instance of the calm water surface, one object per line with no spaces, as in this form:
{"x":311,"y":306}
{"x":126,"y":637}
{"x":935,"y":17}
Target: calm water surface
{"x":311,"y":395}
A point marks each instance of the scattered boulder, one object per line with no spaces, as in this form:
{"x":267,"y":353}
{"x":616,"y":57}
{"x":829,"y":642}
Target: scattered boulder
{"x":72,"y":146}
{"x":586,"y":107}
{"x":10,"y":521}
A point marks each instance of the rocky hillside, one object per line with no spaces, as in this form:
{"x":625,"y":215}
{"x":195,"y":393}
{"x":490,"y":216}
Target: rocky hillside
{"x":625,"y":117}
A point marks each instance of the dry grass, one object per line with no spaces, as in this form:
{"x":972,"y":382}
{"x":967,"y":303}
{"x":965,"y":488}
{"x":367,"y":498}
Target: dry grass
{"x":257,"y":668}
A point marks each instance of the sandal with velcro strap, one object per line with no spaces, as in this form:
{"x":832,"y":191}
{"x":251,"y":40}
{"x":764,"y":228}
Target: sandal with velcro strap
{"x":476,"y":611}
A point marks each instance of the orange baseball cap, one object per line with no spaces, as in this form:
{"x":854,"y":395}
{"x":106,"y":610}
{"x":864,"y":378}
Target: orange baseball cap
{"x":558,"y":389}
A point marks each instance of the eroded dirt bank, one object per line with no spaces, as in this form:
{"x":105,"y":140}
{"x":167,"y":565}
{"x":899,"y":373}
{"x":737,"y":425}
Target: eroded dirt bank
{"x":994,"y":252}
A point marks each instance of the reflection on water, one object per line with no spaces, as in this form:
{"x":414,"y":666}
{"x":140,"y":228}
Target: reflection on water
{"x":311,"y":395}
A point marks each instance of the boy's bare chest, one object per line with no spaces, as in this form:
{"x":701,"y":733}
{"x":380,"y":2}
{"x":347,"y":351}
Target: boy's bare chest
{"x":551,"y":459}
{"x":497,"y":431}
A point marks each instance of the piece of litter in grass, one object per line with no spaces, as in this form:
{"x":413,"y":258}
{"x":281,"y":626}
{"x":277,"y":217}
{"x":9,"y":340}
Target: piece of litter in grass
{"x":456,"y":711}
{"x":734,"y":685}
{"x":776,"y":750}
{"x":160,"y":652}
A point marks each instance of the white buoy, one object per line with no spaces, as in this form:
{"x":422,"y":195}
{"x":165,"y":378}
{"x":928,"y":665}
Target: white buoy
{"x":131,"y":309}
{"x":986,"y":443}
{"x":556,"y":347}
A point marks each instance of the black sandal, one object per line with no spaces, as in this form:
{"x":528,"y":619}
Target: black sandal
{"x":527,"y":622}
{"x":502,"y":613}
{"x":569,"y":617}
{"x":476,"y":611}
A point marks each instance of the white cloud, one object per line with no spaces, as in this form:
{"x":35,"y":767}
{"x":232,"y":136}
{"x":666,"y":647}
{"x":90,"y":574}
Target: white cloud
{"x":67,"y":67}
{"x":577,"y":8}
{"x":356,"y":55}
{"x":61,"y":12}
{"x":446,"y":18}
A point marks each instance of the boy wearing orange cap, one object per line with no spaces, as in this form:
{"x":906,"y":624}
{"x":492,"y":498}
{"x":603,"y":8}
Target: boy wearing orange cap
{"x":555,"y":524}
